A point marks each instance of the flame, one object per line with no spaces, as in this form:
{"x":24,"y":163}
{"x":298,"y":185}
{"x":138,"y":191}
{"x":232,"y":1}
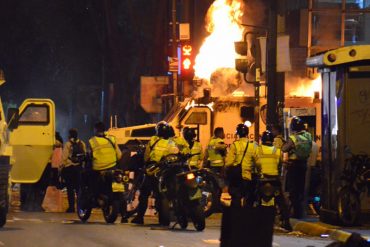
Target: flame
{"x":218,"y":50}
{"x":307,"y":88}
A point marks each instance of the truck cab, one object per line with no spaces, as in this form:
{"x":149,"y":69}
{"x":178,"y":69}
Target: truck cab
{"x":32,"y":141}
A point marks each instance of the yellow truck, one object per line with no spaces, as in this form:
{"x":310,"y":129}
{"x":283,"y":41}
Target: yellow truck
{"x":32,"y":139}
{"x":205,"y":114}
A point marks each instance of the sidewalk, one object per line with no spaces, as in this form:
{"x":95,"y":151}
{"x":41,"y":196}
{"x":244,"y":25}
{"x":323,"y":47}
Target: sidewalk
{"x":314,"y":227}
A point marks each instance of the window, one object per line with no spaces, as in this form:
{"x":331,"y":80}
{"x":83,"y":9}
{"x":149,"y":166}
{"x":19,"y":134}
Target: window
{"x":143,"y":132}
{"x":35,"y":114}
{"x":197,"y":118}
{"x":336,"y":23}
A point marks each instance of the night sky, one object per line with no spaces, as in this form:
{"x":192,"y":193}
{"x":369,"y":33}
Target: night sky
{"x":69,"y":50}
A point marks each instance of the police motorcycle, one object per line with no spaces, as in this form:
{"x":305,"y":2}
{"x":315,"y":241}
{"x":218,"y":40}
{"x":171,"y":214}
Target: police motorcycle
{"x":101,"y":189}
{"x":179,"y":192}
{"x":136,"y":167}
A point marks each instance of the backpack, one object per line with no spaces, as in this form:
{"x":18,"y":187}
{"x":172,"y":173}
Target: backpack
{"x":77,"y":152}
{"x":303,"y":145}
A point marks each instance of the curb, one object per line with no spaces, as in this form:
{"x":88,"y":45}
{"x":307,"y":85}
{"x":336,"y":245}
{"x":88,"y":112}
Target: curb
{"x":319,"y":229}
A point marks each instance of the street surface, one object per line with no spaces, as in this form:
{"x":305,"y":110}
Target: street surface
{"x":28,"y":229}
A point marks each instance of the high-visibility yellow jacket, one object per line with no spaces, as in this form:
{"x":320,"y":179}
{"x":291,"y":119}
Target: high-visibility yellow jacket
{"x":105,"y":153}
{"x":181,"y":144}
{"x":157,"y":148}
{"x":215,"y":147}
{"x":197,"y":155}
{"x":235,"y":155}
{"x":268,"y":160}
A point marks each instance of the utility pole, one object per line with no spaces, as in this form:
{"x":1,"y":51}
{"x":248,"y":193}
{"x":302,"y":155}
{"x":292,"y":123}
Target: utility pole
{"x":174,"y":50}
{"x":271,"y":46}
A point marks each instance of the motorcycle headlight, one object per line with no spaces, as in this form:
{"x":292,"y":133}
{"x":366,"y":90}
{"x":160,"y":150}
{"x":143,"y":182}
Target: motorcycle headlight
{"x":190,"y":176}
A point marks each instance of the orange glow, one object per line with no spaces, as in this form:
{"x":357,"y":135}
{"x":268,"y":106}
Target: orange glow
{"x":186,"y":63}
{"x":218,"y":51}
{"x":307,"y":88}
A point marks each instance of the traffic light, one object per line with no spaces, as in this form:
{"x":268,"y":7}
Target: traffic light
{"x":186,"y":62}
{"x":242,"y":64}
{"x":246,"y":64}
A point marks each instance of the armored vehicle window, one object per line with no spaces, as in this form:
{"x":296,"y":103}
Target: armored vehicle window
{"x":197,"y":118}
{"x":35,"y":114}
{"x":143,"y":132}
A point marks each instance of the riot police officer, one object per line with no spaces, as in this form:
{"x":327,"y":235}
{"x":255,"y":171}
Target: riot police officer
{"x":194,"y":146}
{"x":268,"y":163}
{"x":240,"y":167}
{"x":298,"y":147}
{"x":216,"y":151}
{"x":158,"y":147}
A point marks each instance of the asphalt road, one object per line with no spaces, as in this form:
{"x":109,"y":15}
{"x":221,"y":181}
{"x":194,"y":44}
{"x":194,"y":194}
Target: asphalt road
{"x":60,"y":229}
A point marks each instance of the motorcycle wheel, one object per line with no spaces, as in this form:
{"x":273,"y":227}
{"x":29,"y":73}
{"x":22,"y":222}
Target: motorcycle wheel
{"x":348,"y":206}
{"x":110,"y":211}
{"x":83,"y":212}
{"x":164,"y":212}
{"x":198,"y":217}
{"x":210,"y":196}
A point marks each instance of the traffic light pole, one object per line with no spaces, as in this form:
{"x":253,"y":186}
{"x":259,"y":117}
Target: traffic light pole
{"x":271,"y":78}
{"x":174,"y":50}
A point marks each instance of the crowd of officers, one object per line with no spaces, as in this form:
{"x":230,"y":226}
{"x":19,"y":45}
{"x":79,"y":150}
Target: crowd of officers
{"x":239,"y":164}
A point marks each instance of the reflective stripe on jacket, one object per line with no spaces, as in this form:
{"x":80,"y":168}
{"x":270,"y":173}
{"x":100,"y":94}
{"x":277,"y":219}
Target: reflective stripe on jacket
{"x":268,"y":159}
{"x":214,"y":147}
{"x":235,"y":155}
{"x":196,"y":150}
{"x":104,"y":153}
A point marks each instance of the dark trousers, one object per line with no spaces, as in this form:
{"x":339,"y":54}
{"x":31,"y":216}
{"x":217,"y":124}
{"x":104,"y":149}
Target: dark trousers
{"x":72,"y":177}
{"x":54,"y":177}
{"x":244,"y":190}
{"x":295,"y":184}
{"x":150,"y":185}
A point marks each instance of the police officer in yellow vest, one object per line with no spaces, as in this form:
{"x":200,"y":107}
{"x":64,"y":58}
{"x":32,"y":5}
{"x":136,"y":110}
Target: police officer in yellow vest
{"x":268,"y":162}
{"x":105,"y":155}
{"x":159,"y":146}
{"x":240,"y":166}
{"x":195,"y":147}
{"x":298,"y":147}
{"x":180,"y":142}
{"x":104,"y":149}
{"x":216,"y":151}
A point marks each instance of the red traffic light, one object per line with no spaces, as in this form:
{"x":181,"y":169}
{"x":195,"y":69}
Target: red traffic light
{"x":187,"y":63}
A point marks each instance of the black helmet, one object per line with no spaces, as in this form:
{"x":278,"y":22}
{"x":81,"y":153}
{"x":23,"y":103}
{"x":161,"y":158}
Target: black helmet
{"x":162,"y":129}
{"x":296,"y":124}
{"x":99,"y":127}
{"x":189,"y":133}
{"x":267,"y":138}
{"x":242,"y":130}
{"x":171,"y":131}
